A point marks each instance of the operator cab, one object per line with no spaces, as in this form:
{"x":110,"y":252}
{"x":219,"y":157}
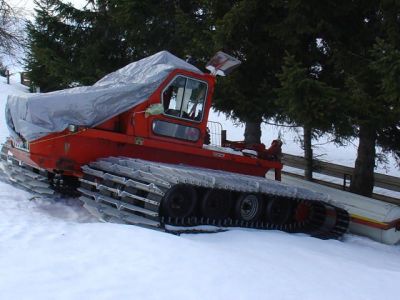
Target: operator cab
{"x":183,"y":103}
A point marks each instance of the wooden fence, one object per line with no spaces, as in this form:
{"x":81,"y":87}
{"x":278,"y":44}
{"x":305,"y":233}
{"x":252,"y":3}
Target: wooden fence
{"x":345,"y":174}
{"x":25,"y":79}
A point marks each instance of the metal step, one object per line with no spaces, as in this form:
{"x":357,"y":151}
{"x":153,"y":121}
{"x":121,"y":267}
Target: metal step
{"x":151,"y":187}
{"x":119,"y":204}
{"x":110,"y":165}
{"x":126,"y":217}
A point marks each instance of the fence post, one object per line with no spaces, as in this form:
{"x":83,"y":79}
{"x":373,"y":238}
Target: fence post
{"x":345,"y":176}
{"x":8,"y":76}
{"x":223,"y":137}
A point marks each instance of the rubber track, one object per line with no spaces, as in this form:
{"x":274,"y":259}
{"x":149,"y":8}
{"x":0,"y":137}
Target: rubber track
{"x":155,"y":179}
{"x":130,"y":191}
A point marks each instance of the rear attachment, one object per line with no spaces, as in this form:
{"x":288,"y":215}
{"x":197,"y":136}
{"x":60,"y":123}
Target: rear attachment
{"x":180,"y":199}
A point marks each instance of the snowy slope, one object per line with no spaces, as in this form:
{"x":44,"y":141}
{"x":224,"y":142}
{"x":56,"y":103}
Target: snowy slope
{"x":52,"y":249}
{"x":56,"y":251}
{"x":14,"y":88}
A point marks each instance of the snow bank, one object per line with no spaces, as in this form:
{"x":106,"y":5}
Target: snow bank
{"x":14,"y":88}
{"x":56,"y":251}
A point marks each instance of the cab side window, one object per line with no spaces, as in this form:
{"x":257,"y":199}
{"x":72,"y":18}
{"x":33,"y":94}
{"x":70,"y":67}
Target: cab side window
{"x":178,"y":131}
{"x":184,"y":98}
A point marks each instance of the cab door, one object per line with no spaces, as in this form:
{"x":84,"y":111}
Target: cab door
{"x":184,"y":105}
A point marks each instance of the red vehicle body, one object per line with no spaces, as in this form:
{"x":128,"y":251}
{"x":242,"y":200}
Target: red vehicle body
{"x":131,"y":134}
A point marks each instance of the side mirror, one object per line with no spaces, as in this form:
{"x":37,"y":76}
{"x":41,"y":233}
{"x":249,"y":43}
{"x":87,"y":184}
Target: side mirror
{"x":154,"y":109}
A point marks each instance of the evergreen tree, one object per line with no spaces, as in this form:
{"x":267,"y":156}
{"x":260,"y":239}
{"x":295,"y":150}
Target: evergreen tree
{"x":386,"y":64}
{"x":306,"y":101}
{"x":335,"y":41}
{"x":68,"y":46}
{"x":365,"y":68}
{"x":181,"y":27}
{"x":306,"y":96}
{"x":246,"y":31}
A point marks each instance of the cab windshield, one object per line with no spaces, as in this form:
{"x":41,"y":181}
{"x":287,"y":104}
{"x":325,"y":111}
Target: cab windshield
{"x":184,"y":98}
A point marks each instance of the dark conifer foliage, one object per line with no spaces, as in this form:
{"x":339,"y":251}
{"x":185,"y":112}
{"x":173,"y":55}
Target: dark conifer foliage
{"x":181,"y":27}
{"x":386,"y":64}
{"x":69,"y":47}
{"x":247,"y":32}
{"x":307,"y":101}
{"x":346,"y":55}
{"x":365,"y":60}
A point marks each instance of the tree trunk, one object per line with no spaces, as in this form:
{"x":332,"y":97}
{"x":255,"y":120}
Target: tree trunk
{"x":362,"y":182}
{"x":252,"y":131}
{"x":308,"y":152}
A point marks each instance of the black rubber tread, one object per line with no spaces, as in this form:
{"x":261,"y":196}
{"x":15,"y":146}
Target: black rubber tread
{"x":279,"y":210}
{"x":216,"y":204}
{"x":312,"y":226}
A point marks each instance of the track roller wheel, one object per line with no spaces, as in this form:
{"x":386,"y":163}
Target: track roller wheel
{"x":216,"y":204}
{"x":248,"y":207}
{"x":279,"y":211}
{"x":179,"y":201}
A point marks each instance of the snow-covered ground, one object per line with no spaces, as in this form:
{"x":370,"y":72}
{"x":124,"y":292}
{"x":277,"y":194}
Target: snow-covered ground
{"x":53,"y":249}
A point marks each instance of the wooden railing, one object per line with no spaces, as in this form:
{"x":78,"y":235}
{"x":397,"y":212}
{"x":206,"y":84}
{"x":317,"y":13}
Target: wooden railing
{"x":345,"y":174}
{"x":25,"y":79}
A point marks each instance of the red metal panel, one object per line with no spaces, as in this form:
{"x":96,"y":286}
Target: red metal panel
{"x":129,"y":134}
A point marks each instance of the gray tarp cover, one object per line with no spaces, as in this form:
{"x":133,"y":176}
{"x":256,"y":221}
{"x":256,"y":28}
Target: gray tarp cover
{"x":36,"y":115}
